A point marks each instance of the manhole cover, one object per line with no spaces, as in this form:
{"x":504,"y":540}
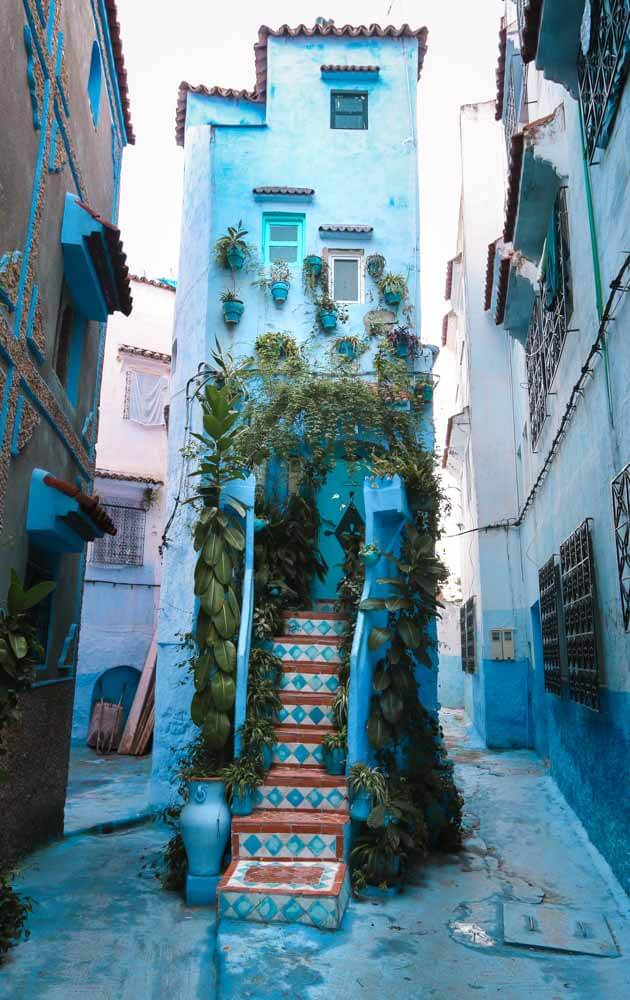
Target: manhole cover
{"x":559,"y":928}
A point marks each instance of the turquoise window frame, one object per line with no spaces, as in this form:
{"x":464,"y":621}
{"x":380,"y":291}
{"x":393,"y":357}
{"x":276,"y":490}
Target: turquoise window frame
{"x":95,"y":82}
{"x":283,"y":219}
{"x":75,"y":358}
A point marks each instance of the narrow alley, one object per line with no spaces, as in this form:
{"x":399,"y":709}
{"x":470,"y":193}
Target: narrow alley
{"x":444,"y":936}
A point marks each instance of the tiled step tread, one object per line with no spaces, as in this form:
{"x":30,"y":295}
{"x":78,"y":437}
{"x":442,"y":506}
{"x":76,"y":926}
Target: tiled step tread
{"x":290,"y":821}
{"x":325,"y":615}
{"x":307,"y":697}
{"x":312,"y":878}
{"x":315,"y":776}
{"x":295,"y":638}
{"x":314,"y":893}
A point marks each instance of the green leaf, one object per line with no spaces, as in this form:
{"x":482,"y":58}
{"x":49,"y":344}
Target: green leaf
{"x":225,"y":655}
{"x":199,"y":706}
{"x":392,"y":581}
{"x":199,"y":537}
{"x":216,"y":729}
{"x":213,"y":598}
{"x":213,"y":549}
{"x":234,"y":607}
{"x":225,"y":622}
{"x":34,"y":595}
{"x":203,"y":576}
{"x":377,"y":816}
{"x":377,"y":637}
{"x":223,"y":691}
{"x":215,"y":428}
{"x":398,"y":603}
{"x":224,"y":568}
{"x":202,"y":672}
{"x":235,"y":505}
{"x":19,"y":645}
{"x":15,"y":594}
{"x":392,"y":706}
{"x":234,"y":537}
{"x":378,"y":731}
{"x":372,"y":604}
{"x":381,"y":679}
{"x":409,"y":633}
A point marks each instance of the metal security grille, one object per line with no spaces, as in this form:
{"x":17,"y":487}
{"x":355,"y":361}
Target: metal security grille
{"x":550,"y":317}
{"x":601,"y":71}
{"x":510,"y":110}
{"x":621,"y":514}
{"x":126,"y":547}
{"x":467,"y":633}
{"x":548,"y":585}
{"x":578,"y":598}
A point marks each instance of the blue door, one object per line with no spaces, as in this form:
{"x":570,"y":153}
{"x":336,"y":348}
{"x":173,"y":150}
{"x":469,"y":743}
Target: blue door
{"x":342,"y":510}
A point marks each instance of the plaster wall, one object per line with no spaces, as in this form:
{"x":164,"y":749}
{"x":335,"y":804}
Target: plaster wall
{"x":450,"y":675}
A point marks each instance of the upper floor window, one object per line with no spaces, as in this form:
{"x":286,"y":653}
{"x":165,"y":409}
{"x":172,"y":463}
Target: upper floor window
{"x":283,"y":238}
{"x":69,"y":340}
{"x":145,"y":398}
{"x":467,"y":626}
{"x":346,"y":275}
{"x":41,"y":565}
{"x":95,"y":82}
{"x":126,"y":547}
{"x":510,"y":109}
{"x":349,"y":109}
{"x":603,"y":64}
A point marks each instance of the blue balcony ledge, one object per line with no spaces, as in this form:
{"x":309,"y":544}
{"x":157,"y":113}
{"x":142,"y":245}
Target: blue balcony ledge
{"x":521,"y":291}
{"x":60,"y":517}
{"x":559,"y":42}
{"x":543,"y":173}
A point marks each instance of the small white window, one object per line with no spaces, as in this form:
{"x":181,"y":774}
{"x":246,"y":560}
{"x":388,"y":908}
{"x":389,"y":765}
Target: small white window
{"x":346,"y":275}
{"x":145,"y":398}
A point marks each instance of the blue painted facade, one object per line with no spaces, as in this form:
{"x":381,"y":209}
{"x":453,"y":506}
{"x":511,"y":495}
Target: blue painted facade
{"x":51,"y":344}
{"x":234,"y":145}
{"x":555,"y":453}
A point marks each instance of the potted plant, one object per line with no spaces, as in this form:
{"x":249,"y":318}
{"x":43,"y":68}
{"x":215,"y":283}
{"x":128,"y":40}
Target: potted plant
{"x":259,"y":737}
{"x":403,"y":342}
{"x":273,"y":347}
{"x":395,"y":827}
{"x":334,"y":747}
{"x":424,"y":389}
{"x":348,"y":347}
{"x":279,"y":281}
{"x":393,"y":288}
{"x":233,"y":307}
{"x":231,"y":251}
{"x":370,"y":554}
{"x":241,"y":778}
{"x":367,"y":789}
{"x":313,"y":264}
{"x":375,"y":265}
{"x":327,"y":313}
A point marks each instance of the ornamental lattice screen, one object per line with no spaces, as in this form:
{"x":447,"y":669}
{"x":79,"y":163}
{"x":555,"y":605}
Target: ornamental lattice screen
{"x":580,"y":616}
{"x":621,"y":514}
{"x":467,"y":635}
{"x":602,"y":68}
{"x":549,"y":587}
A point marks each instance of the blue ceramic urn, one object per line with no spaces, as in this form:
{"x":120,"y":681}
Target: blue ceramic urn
{"x":205,"y":825}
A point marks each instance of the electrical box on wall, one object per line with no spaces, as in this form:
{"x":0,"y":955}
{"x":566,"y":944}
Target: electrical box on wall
{"x":502,"y":644}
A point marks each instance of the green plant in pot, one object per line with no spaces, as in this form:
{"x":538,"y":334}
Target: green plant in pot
{"x":348,"y":347}
{"x":370,"y":554}
{"x":403,"y":342}
{"x":327,"y":313}
{"x":277,"y":279}
{"x":313,"y":264}
{"x":334,"y":748}
{"x":242,"y":777}
{"x":375,"y":265}
{"x":367,"y":789}
{"x":395,"y":829}
{"x":393,"y":288}
{"x":259,"y":737}
{"x":233,"y":307}
{"x":231,"y":250}
{"x":274,"y":347}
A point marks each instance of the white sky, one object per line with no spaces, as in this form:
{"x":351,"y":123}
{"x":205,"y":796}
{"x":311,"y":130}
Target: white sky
{"x":205,"y":41}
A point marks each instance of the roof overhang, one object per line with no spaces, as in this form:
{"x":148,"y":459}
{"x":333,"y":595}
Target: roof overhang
{"x":519,"y":296}
{"x":543,"y":172}
{"x":559,"y":42}
{"x":94,"y":262}
{"x":60,"y":517}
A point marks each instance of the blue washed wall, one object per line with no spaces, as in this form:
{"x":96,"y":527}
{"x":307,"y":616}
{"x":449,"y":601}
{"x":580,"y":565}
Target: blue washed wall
{"x":450,"y":681}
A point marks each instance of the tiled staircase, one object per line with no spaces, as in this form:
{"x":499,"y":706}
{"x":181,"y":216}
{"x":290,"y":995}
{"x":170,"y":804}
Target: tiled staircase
{"x":288,"y":855}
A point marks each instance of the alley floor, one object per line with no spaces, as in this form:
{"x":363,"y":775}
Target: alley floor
{"x":102,"y":928}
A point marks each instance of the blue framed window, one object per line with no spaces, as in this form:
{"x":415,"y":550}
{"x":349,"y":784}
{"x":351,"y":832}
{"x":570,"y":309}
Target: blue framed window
{"x":95,"y":82}
{"x":349,"y":109}
{"x":42,"y":565}
{"x":283,"y":237}
{"x":69,"y":346}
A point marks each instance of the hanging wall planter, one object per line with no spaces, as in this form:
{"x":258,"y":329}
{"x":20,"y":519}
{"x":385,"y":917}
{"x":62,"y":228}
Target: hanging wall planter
{"x":348,"y":348}
{"x":313,"y":264}
{"x":403,"y":342}
{"x":393,"y":288}
{"x":328,"y":318}
{"x":370,"y":554}
{"x":231,"y":251}
{"x":233,"y":308}
{"x":279,"y":291}
{"x":235,"y":258}
{"x":375,"y":265}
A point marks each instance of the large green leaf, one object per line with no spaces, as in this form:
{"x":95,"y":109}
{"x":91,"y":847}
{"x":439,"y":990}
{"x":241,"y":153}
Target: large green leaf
{"x":200,"y":705}
{"x":216,"y":729}
{"x":212,"y":426}
{"x":225,"y":655}
{"x":213,"y":549}
{"x":20,"y":600}
{"x":235,"y":505}
{"x":392,"y":706}
{"x":398,"y":603}
{"x":213,"y":598}
{"x":377,"y":637}
{"x":203,"y":576}
{"x":372,"y":604}
{"x":225,"y":622}
{"x":381,"y":678}
{"x":223,"y":691}
{"x":234,"y":537}
{"x":224,"y":568}
{"x":409,"y":632}
{"x":202,"y":672}
{"x":19,"y":645}
{"x":234,"y":607}
{"x":378,"y":731}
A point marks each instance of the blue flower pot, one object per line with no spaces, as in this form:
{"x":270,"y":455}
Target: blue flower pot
{"x":393,"y":298}
{"x":346,"y":349}
{"x":328,"y":319}
{"x":361,"y":806}
{"x":260,"y":523}
{"x":267,"y":756}
{"x":232,"y":311}
{"x":402,"y":350}
{"x":427,"y":393}
{"x":243,"y":805}
{"x":279,"y":291}
{"x":371,"y":558}
{"x":314,"y":264}
{"x":235,"y":258}
{"x":205,"y":826}
{"x":335,"y":760}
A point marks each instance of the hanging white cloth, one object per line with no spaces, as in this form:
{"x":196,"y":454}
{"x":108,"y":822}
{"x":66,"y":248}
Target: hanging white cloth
{"x":146,"y":397}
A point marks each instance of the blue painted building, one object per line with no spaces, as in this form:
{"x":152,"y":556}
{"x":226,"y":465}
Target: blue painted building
{"x":65,"y":120}
{"x":539,"y":441}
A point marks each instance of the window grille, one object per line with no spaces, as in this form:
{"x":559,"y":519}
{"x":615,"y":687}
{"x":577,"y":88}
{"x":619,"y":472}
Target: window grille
{"x":603,"y":63}
{"x":349,"y":109}
{"x":126,"y":547}
{"x":549,"y":587}
{"x":578,"y":598}
{"x":550,"y":317}
{"x":510,"y":110}
{"x":621,"y":514}
{"x":467,"y":632}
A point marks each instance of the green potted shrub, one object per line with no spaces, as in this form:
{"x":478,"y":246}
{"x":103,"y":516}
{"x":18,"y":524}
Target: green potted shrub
{"x":241,"y":779}
{"x":334,"y":748}
{"x":259,"y":737}
{"x":393,"y":288}
{"x":375,"y":265}
{"x":395,"y":828}
{"x":313,"y":264}
{"x":233,"y":307}
{"x":367,"y":789}
{"x":370,"y":554}
{"x":403,"y":342}
{"x":327,"y":313}
{"x":231,"y":250}
{"x":348,"y":347}
{"x":272,"y":347}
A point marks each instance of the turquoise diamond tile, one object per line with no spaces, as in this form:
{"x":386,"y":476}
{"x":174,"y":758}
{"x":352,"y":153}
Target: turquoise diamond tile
{"x":318,"y":913}
{"x":328,"y":653}
{"x":294,"y":652}
{"x":301,"y":753}
{"x":274,"y":795}
{"x":318,"y":753}
{"x":307,"y":626}
{"x":295,"y":797}
{"x":316,"y":845}
{"x":299,"y":682}
{"x":295,"y":844}
{"x":283,"y":752}
{"x":273,"y":845}
{"x":243,"y":907}
{"x":292,"y":910}
{"x":316,"y":715}
{"x":267,"y":908}
{"x":332,"y":682}
{"x":298,"y":713}
{"x":283,"y":714}
{"x":315,"y":797}
{"x":252,"y":845}
{"x":324,"y":627}
{"x":316,"y":682}
{"x":335,"y":798}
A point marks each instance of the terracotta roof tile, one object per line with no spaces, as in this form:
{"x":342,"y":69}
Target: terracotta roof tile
{"x":336,"y":68}
{"x":492,"y":252}
{"x":156,"y":282}
{"x":346,"y":229}
{"x":88,"y":504}
{"x":448,"y":288}
{"x":530,"y":29}
{"x":513,"y":185}
{"x":502,"y":288}
{"x":144,"y":352}
{"x":121,"y":72}
{"x":259,"y":94}
{"x":444,"y":329}
{"x":118,"y":257}
{"x":283,"y":190}
{"x":127,"y":477}
{"x":500,"y":74}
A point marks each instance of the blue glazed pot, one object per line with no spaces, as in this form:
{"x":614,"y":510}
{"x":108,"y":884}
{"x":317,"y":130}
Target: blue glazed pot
{"x":205,"y":825}
{"x":260,"y":523}
{"x":392,"y":298}
{"x":402,"y":349}
{"x":328,"y":318}
{"x":346,"y":348}
{"x":279,"y":291}
{"x":314,"y":264}
{"x":243,"y":805}
{"x":361,"y":806}
{"x":371,"y":558}
{"x":427,"y":393}
{"x":267,"y":756}
{"x":335,"y":760}
{"x":235,"y":258}
{"x":232,"y":311}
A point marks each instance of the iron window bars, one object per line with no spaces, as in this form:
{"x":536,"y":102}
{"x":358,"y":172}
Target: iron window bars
{"x":126,"y":547}
{"x":550,"y":608}
{"x":349,"y":109}
{"x":467,"y":634}
{"x":510,"y":110}
{"x":621,"y":514}
{"x":549,"y":322}
{"x":579,"y":603}
{"x":603,"y":68}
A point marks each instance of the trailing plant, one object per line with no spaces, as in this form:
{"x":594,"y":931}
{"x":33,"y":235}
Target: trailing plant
{"x":418,"y":470}
{"x":336,"y":740}
{"x":287,"y":559}
{"x":233,"y":240}
{"x":280,"y":270}
{"x":262,"y":690}
{"x":395,"y":830}
{"x":274,"y":347}
{"x":230,"y":296}
{"x":20,"y":649}
{"x":349,"y":346}
{"x":400,"y":336}
{"x":241,"y":776}
{"x":258,"y":733}
{"x":369,"y":781}
{"x":375,"y":265}
{"x":314,"y":274}
{"x":14,"y":910}
{"x":393,"y":284}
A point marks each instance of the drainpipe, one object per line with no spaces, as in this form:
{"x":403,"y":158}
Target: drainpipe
{"x":597,"y":274}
